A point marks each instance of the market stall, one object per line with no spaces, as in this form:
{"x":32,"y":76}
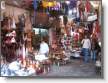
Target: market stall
{"x":30,"y":27}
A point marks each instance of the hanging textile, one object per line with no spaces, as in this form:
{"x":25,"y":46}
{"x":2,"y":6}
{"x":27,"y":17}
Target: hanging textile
{"x":20,"y":31}
{"x":87,"y":9}
{"x":35,"y":4}
{"x":13,"y":26}
{"x":50,"y":36}
{"x":63,"y":7}
{"x":96,"y":30}
{"x":97,"y":27}
{"x":77,"y":12}
{"x":72,"y":4}
{"x":65,"y":20}
{"x":35,"y":7}
{"x":88,"y":6}
{"x":81,"y":10}
{"x":49,"y":3}
{"x":66,"y":9}
{"x":9,"y":23}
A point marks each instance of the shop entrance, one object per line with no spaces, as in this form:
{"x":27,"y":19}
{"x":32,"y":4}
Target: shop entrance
{"x":38,"y":34}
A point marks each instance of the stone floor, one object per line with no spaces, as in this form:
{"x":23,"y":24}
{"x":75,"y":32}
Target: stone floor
{"x":75,"y":68}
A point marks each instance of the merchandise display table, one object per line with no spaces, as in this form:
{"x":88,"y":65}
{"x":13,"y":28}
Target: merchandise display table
{"x":27,"y":67}
{"x":59,"y":58}
{"x":16,"y":69}
{"x":41,"y":58}
{"x":44,"y":61}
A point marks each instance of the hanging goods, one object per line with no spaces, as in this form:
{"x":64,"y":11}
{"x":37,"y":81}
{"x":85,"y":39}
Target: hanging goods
{"x":35,"y":7}
{"x":88,"y":6}
{"x":13,"y":26}
{"x":73,"y":4}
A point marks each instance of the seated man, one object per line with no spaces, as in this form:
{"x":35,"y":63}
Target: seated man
{"x":44,"y":48}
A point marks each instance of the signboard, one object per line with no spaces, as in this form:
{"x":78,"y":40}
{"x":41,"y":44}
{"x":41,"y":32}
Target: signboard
{"x":92,"y":18}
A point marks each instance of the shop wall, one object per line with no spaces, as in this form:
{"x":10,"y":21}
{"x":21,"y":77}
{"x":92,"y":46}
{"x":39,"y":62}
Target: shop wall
{"x":15,"y":11}
{"x":11,"y":10}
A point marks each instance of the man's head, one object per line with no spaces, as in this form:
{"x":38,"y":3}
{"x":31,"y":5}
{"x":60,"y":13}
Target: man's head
{"x":43,"y":39}
{"x":86,"y":36}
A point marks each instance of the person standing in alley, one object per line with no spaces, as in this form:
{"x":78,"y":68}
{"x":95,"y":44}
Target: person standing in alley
{"x":86,"y":47}
{"x":95,"y":49}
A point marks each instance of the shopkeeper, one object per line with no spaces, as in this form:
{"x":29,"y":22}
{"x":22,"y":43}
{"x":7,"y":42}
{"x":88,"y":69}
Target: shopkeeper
{"x":44,"y":48}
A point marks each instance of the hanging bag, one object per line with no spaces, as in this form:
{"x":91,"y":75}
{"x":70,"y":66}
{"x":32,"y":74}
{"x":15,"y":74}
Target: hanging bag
{"x":13,"y":26}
